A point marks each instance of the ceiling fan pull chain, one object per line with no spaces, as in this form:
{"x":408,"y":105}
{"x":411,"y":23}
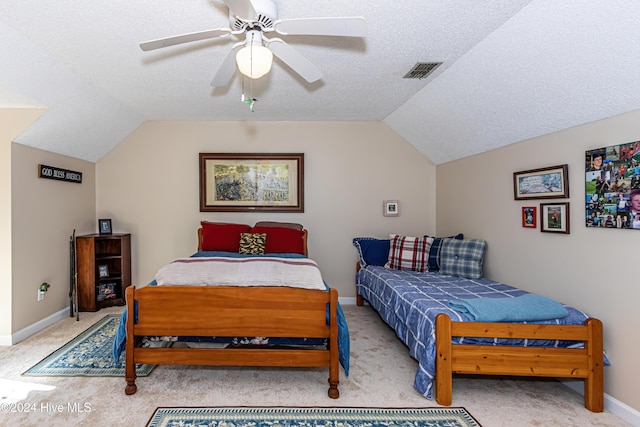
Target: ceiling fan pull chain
{"x":242,"y":83}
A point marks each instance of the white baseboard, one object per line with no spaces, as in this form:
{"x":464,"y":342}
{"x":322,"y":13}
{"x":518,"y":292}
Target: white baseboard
{"x":25,"y":333}
{"x":347,"y":300}
{"x":611,"y":404}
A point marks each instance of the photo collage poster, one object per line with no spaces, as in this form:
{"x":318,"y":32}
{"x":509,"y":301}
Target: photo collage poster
{"x":613,"y":186}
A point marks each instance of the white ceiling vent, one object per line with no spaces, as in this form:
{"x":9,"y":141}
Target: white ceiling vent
{"x":422,"y":70}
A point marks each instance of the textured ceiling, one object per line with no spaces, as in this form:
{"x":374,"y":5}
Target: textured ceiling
{"x":512,"y":69}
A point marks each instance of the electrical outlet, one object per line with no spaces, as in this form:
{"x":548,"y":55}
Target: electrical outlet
{"x":40,"y":295}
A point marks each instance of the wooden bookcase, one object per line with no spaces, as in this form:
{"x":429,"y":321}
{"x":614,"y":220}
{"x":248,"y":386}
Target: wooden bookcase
{"x":104,"y":270}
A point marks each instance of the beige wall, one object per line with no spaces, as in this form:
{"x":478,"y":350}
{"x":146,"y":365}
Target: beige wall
{"x":148,"y":186}
{"x":591,"y":269}
{"x":12,"y":122}
{"x":45,"y":212}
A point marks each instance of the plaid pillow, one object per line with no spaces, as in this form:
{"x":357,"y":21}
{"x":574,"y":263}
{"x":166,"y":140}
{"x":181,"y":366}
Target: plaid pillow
{"x":409,"y":253}
{"x":462,"y":258}
{"x":252,"y":243}
{"x":434,"y":252}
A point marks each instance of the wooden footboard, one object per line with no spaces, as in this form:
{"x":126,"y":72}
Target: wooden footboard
{"x":586,"y":363}
{"x":229,"y":312}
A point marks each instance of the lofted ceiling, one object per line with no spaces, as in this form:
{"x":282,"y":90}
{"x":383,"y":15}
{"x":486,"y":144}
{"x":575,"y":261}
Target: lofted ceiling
{"x":511,"y":69}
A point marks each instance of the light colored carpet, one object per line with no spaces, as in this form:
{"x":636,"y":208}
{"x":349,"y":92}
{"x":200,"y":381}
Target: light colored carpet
{"x":381,"y":376}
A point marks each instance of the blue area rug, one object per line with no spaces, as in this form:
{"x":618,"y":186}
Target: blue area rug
{"x":312,"y":417}
{"x":89,"y":354}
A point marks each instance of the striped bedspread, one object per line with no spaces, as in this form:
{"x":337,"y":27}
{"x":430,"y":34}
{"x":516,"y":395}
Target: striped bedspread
{"x":228,"y":271}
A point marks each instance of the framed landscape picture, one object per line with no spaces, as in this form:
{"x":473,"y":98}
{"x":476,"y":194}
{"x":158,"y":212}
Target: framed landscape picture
{"x":239,"y":182}
{"x":543,"y":183}
{"x":612,"y":186}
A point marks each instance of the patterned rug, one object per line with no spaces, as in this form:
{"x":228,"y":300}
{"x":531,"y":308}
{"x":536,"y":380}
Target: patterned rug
{"x":89,"y":354}
{"x":311,"y":417}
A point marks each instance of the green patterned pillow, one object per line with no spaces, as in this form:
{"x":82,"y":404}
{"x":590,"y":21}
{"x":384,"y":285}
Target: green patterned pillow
{"x":252,"y":243}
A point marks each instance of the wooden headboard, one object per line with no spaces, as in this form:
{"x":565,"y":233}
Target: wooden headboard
{"x":304,"y":241}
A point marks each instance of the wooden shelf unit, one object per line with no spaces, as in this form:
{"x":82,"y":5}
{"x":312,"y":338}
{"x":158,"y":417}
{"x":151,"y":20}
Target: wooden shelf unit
{"x":104,"y":270}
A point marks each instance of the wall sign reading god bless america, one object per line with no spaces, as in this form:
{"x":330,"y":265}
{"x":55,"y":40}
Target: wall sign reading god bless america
{"x":59,"y":174}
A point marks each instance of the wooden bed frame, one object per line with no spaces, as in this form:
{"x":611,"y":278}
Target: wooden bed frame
{"x":225,"y":311}
{"x":586,"y":363}
{"x":232,"y":311}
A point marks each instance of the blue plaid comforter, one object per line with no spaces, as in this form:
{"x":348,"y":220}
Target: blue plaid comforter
{"x":409,"y":302}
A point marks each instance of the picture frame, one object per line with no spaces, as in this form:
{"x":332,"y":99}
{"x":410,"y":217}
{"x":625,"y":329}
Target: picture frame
{"x":529,"y":216}
{"x":612,"y":186}
{"x":543,"y":183}
{"x":554,"y":217}
{"x":103,"y":271}
{"x":104,"y":226}
{"x":248,"y":182}
{"x":391,"y":208}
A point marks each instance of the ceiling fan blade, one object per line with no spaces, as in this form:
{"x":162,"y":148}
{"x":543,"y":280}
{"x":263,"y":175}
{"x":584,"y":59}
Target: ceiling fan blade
{"x":227,"y":69}
{"x":185,"y":38}
{"x":294,"y":60}
{"x":355,"y":26}
{"x":242,"y":8}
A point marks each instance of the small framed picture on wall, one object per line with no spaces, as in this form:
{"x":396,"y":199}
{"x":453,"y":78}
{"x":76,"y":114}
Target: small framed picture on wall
{"x":554,"y":217}
{"x":529,"y":217}
{"x":391,"y":208}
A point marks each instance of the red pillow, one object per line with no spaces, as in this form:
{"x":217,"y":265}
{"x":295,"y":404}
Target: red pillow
{"x":282,"y":240}
{"x":222,"y":237}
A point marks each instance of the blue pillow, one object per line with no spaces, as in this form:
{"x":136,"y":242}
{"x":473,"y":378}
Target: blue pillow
{"x":434,"y":253}
{"x":372,"y":251}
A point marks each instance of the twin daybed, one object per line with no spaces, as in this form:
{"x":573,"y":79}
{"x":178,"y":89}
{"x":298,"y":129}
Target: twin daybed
{"x":253,"y":291}
{"x":454,"y":321}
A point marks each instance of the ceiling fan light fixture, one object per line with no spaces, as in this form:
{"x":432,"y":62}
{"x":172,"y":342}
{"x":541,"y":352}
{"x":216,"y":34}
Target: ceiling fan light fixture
{"x":254,"y":60}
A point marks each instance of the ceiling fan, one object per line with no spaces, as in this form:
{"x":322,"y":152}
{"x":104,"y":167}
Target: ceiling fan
{"x":254,"y":55}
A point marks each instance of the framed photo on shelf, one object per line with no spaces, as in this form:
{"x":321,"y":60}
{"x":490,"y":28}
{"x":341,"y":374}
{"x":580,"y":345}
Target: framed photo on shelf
{"x":104,"y":226}
{"x":103,"y":271}
{"x":239,"y":182}
{"x":391,"y":208}
{"x":544,"y":183}
{"x":529,"y":217}
{"x":554,"y":217}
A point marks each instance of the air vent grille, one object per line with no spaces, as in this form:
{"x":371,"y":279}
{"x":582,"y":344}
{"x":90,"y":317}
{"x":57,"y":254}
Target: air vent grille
{"x":422,"y":70}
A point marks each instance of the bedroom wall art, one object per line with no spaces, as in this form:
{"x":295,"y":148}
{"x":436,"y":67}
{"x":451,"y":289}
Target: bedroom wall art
{"x":612,"y":186}
{"x":391,"y":208}
{"x":529,"y":217}
{"x":52,"y":172}
{"x":554,"y":217}
{"x":241,"y":182}
{"x":543,"y":183}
